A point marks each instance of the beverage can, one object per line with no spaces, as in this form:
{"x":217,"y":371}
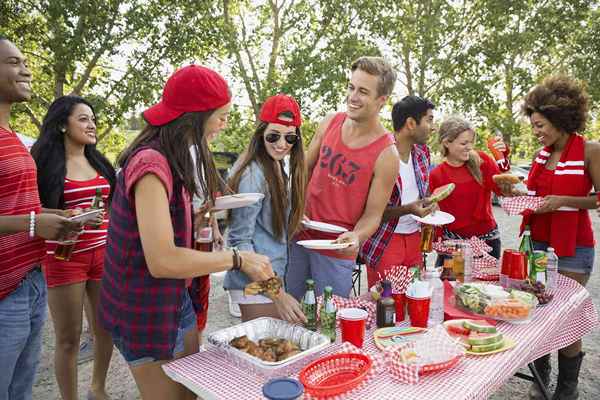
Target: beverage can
{"x":538,"y":262}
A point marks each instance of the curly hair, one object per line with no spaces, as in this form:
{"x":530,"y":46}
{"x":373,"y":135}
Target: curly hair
{"x":562,"y":100}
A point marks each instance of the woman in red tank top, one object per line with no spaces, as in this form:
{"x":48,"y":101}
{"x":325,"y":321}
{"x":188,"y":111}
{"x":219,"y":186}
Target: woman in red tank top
{"x":70,"y":171}
{"x":563,"y":172}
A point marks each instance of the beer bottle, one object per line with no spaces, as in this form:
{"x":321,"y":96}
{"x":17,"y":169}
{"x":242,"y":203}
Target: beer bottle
{"x":328,"y":314}
{"x":98,"y":202}
{"x":309,"y":306}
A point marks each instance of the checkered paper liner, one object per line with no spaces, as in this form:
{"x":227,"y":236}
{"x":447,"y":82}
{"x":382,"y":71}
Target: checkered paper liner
{"x":478,"y":246}
{"x":377,"y":367}
{"x":486,"y":267}
{"x":436,"y":351}
{"x":519,"y":204}
{"x":356,"y":302}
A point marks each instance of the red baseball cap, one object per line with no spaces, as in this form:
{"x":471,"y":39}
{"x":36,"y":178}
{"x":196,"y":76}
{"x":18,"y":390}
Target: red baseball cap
{"x":192,"y":88}
{"x":278,"y":104}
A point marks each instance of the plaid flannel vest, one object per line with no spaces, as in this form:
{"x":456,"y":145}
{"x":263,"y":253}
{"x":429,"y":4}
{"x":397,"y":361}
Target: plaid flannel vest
{"x":372,"y":250}
{"x":144,"y":311}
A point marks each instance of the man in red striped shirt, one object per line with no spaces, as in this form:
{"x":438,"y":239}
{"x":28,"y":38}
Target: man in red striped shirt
{"x":23,"y":225}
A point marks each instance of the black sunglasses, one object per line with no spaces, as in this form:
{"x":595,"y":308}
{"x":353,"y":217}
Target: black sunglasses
{"x":291,"y":138}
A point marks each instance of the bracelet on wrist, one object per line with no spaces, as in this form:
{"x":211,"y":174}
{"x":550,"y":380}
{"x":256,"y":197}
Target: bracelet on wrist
{"x":32,"y":224}
{"x":236,"y":260}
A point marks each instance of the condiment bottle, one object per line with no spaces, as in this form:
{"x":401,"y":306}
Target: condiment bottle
{"x":386,"y":307}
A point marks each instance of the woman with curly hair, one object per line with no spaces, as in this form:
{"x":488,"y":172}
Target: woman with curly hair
{"x":563,"y":172}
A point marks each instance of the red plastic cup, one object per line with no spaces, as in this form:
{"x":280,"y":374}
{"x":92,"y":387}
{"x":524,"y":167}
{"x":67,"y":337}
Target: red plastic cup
{"x":518,"y":266}
{"x":353,"y":322}
{"x":399,"y":300}
{"x":418,"y":311}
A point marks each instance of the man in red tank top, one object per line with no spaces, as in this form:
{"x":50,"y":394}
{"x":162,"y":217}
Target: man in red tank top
{"x":352,"y":166}
{"x":22,"y":225}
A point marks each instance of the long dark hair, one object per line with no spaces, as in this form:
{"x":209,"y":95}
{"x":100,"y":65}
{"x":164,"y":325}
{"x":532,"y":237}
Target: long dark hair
{"x":49,"y":153}
{"x":173,"y":140}
{"x":277,"y":189}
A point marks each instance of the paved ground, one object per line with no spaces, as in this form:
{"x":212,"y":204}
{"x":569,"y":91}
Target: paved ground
{"x":121,"y":385}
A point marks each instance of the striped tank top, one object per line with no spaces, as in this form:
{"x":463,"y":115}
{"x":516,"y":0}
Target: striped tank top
{"x":80,"y":194}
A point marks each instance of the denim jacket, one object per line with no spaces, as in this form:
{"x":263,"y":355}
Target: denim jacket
{"x":250,"y":228}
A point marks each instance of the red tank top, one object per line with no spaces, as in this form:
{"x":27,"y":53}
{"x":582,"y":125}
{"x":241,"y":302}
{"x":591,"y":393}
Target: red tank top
{"x":339,"y":186}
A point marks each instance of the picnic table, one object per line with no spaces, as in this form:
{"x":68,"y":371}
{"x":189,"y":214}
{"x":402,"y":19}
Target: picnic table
{"x":567,"y":318}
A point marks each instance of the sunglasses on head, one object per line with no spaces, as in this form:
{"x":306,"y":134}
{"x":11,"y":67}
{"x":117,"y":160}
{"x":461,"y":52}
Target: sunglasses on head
{"x":290,"y":138}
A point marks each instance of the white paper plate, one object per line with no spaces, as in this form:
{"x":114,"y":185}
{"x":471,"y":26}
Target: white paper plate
{"x":436,"y":218}
{"x":323,"y":227}
{"x":236,"y":200}
{"x":323,"y":244}
{"x":86,"y":216}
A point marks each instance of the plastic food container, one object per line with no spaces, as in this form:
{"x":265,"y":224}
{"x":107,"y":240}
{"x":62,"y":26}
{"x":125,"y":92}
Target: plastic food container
{"x":492,"y":301}
{"x":311,"y":343}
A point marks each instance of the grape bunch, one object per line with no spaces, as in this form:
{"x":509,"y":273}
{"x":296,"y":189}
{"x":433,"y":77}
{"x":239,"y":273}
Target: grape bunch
{"x":539,"y":290}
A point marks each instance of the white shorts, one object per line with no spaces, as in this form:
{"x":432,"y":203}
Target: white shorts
{"x":237,"y":296}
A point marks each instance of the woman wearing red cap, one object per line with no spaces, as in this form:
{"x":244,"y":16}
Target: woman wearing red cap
{"x":144,"y":302}
{"x":266,"y":226}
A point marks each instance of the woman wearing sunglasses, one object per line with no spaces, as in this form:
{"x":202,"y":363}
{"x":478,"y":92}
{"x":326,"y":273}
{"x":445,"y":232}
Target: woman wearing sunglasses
{"x":266,"y":226}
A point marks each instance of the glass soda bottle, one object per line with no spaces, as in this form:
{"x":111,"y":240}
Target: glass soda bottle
{"x":328,"y":314}
{"x":526,"y":246}
{"x":309,"y":306}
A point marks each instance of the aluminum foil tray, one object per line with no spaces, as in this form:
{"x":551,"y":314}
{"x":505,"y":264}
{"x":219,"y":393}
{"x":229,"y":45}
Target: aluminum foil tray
{"x":311,"y":343}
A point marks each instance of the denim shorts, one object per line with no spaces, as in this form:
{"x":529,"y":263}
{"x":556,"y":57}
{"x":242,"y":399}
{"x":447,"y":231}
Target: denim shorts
{"x":582,"y":262}
{"x":187,"y":321}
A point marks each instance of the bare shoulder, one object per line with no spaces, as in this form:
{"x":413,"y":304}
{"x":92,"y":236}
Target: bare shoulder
{"x":592,"y":149}
{"x":325,"y":123}
{"x":388,"y":159}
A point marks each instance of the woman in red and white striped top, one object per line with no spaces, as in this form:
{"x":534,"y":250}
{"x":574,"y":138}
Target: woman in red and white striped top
{"x":70,"y":169}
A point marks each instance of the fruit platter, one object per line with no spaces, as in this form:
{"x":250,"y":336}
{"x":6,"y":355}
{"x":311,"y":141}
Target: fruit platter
{"x":478,"y":336}
{"x":495,"y":302}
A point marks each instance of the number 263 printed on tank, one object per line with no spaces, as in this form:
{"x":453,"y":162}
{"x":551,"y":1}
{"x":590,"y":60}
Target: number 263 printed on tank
{"x":338,"y":165}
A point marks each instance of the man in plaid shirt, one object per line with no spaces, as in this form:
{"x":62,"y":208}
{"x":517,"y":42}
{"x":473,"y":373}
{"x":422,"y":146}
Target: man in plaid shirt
{"x":397,"y":239}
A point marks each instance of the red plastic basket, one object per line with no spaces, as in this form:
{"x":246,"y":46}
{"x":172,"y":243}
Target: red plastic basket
{"x":335,"y":374}
{"x":428,"y":368}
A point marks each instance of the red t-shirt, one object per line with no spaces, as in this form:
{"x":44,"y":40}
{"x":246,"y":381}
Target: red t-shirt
{"x":18,"y":196}
{"x":470,"y":202}
{"x":339,"y":185}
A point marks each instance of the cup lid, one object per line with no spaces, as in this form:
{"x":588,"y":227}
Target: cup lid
{"x":353,"y":314}
{"x":282,"y":389}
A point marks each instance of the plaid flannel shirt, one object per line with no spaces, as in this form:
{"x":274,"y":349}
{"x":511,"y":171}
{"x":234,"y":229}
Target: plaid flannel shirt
{"x":144,"y":311}
{"x":372,"y":250}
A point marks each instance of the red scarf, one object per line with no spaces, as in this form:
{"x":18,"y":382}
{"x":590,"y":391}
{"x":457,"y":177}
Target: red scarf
{"x":569,"y":179}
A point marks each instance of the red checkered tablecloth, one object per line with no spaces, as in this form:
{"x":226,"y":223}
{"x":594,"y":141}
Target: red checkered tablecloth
{"x":213,"y":376}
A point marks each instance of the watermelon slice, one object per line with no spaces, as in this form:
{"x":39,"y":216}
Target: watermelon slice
{"x":487,"y":347}
{"x":479,"y":326}
{"x":480,"y":339}
{"x":457,"y":329}
{"x":441,"y":192}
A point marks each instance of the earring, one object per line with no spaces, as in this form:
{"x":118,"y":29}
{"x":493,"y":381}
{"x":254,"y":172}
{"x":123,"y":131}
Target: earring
{"x":63,"y":129}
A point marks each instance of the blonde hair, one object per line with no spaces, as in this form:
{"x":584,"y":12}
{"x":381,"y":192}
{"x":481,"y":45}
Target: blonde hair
{"x":449,"y":130}
{"x":379,"y":67}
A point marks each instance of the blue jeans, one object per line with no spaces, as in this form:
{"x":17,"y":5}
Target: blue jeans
{"x":22,"y":317}
{"x":324,"y":270}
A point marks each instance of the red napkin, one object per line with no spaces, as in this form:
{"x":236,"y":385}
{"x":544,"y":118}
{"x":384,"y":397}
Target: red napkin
{"x":453,"y":312}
